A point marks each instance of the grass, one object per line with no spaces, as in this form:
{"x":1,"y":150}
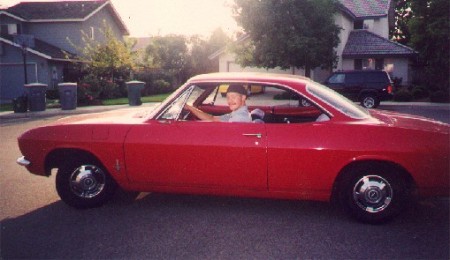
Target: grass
{"x":108,"y":102}
{"x":124,"y":101}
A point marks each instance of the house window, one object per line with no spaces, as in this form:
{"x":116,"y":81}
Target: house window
{"x":10,"y":29}
{"x":358,"y":24}
{"x":379,"y":64}
{"x":91,"y":33}
{"x":358,"y":64}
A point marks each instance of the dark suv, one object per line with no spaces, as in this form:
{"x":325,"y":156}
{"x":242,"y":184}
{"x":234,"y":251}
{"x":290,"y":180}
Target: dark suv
{"x":369,"y":87}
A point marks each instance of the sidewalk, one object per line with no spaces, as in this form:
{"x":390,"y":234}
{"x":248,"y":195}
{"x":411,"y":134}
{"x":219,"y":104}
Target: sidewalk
{"x":79,"y":110}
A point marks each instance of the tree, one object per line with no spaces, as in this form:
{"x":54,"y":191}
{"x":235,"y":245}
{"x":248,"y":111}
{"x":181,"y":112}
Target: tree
{"x":288,"y":33}
{"x":111,"y":58}
{"x":429,"y":28}
{"x":403,"y":13}
{"x":104,"y":65}
{"x":170,"y":54}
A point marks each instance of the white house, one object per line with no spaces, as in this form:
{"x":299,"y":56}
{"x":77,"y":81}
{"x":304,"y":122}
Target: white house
{"x":364,"y":43}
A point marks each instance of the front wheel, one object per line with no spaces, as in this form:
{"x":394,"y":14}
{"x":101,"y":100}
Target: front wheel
{"x":84,"y":184}
{"x":374,"y":195}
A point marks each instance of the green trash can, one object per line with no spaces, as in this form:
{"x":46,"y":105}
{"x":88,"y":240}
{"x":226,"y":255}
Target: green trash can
{"x":36,"y":96}
{"x":134,"y":92}
{"x":68,"y":95}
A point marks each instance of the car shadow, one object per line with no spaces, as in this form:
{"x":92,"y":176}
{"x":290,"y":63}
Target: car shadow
{"x":154,"y":225}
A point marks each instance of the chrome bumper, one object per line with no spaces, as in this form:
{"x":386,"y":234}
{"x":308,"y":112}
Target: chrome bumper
{"x":22,"y":161}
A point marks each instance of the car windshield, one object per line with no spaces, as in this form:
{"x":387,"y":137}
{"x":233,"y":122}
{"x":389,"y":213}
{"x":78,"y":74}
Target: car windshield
{"x":336,"y":100}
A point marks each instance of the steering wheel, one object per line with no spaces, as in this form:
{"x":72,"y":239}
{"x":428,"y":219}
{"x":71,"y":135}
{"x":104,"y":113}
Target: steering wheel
{"x":184,"y":115}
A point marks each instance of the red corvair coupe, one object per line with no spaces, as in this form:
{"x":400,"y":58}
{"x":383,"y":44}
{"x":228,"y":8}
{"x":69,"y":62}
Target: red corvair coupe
{"x":309,"y":143}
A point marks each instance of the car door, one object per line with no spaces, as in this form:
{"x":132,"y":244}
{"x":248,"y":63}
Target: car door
{"x":300,"y":159}
{"x":197,"y":154}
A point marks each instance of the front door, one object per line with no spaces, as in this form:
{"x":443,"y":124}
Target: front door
{"x":197,"y":154}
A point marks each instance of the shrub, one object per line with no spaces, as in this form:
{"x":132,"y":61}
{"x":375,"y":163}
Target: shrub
{"x":440,"y":97}
{"x":403,"y":95}
{"x":420,"y":92}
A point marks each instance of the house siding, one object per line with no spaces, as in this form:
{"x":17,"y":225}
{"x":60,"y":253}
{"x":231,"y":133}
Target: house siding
{"x":40,"y":68}
{"x":11,"y":71}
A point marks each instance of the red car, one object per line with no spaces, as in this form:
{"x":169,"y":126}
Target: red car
{"x":313,"y":144}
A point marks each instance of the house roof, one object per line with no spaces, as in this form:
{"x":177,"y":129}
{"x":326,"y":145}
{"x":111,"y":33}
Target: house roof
{"x":365,"y":8}
{"x":362,"y":43}
{"x":42,"y":49}
{"x":64,"y":11}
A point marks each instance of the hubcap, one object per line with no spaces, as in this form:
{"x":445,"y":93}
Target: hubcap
{"x":372,"y":193}
{"x":369,"y":102}
{"x":87,"y":181}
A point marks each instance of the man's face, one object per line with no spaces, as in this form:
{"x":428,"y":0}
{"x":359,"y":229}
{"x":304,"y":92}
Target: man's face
{"x":235,"y":100}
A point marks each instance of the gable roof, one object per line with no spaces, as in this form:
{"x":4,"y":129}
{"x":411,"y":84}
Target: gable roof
{"x":42,"y":49}
{"x":365,"y":8}
{"x":65,"y":11}
{"x":362,"y":43}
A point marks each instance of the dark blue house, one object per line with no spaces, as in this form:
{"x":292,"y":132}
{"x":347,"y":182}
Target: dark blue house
{"x":53,"y":32}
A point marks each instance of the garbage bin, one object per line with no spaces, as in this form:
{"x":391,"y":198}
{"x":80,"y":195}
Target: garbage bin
{"x":36,"y":96}
{"x":68,"y":95}
{"x":20,"y":104}
{"x":134,"y":92}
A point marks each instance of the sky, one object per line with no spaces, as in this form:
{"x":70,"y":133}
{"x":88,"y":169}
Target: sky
{"x":162,"y":17}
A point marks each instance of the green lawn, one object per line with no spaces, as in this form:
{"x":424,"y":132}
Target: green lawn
{"x":108,"y":102}
{"x":124,"y":101}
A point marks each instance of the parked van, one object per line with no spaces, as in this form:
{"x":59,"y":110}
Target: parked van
{"x":369,"y":87}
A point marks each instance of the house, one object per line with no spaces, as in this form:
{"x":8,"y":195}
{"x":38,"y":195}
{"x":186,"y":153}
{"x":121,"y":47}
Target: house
{"x":50,"y":35}
{"x":364,"y":43}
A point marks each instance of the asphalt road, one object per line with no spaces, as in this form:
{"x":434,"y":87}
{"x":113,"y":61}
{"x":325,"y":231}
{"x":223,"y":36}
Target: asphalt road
{"x":35,"y":224}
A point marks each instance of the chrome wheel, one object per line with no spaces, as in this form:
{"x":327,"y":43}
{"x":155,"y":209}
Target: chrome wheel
{"x":372,"y":193}
{"x":369,"y":102}
{"x":87,"y":181}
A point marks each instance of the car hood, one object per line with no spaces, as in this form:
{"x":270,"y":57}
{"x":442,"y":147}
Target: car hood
{"x":123,"y":116}
{"x":410,"y":121}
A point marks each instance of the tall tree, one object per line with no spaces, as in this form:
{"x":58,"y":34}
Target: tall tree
{"x":288,"y":33}
{"x":429,"y":28}
{"x":403,"y":13}
{"x":169,"y":53}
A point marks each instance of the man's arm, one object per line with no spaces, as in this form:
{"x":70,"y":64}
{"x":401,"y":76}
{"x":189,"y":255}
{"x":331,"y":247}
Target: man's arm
{"x":202,"y":115}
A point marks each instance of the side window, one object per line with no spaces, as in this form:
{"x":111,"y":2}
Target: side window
{"x":337,"y":78}
{"x":354,"y":78}
{"x":271,"y":103}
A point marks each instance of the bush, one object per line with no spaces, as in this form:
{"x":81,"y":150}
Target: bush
{"x":440,"y":97}
{"x":52,"y":94}
{"x":403,"y":95}
{"x":420,"y":92}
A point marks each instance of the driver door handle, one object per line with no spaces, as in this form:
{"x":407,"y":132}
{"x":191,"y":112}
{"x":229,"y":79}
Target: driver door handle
{"x":256,"y":135}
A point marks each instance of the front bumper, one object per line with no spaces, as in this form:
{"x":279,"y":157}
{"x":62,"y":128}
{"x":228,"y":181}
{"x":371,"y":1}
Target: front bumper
{"x":22,"y":161}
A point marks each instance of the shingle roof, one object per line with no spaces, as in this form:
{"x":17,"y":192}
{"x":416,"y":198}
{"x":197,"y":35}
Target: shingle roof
{"x":44,"y":48}
{"x":362,"y":43}
{"x":366,"y":8}
{"x":63,"y":11}
{"x":55,"y":10}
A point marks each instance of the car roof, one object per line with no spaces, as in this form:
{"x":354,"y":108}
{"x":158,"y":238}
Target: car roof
{"x":249,"y":76}
{"x":359,"y":71}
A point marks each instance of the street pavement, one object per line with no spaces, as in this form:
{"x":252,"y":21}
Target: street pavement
{"x":36,"y":224}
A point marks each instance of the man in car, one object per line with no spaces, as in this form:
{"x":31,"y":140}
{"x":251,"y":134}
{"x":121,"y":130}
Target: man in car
{"x":236,"y":97}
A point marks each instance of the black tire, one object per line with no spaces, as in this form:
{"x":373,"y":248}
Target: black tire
{"x":374,"y":194}
{"x":84,"y":184}
{"x":370,"y":101}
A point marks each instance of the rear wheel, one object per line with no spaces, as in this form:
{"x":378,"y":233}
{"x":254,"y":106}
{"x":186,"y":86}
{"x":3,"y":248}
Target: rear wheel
{"x":369,"y":101}
{"x":84,"y":184}
{"x":374,"y":194}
